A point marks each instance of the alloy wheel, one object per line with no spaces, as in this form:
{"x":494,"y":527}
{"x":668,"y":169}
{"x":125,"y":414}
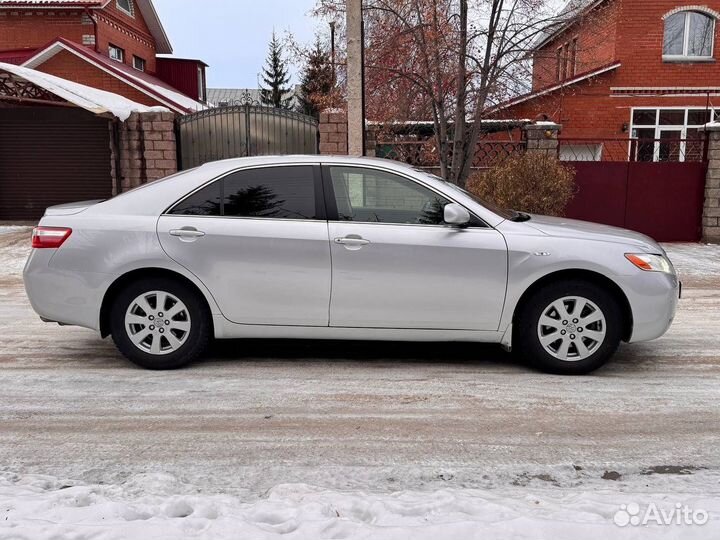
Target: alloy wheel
{"x":158,"y":323}
{"x":572,"y":328}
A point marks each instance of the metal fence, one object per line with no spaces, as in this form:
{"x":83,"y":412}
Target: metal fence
{"x":424,"y":153}
{"x":663,"y":150}
{"x":243,"y":130}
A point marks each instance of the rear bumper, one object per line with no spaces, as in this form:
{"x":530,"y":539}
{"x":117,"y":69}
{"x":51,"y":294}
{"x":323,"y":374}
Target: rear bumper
{"x":69,"y":298}
{"x":653,"y":299}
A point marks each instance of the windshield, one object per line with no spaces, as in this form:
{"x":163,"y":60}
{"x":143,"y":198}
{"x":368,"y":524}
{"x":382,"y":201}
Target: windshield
{"x":502,"y":212}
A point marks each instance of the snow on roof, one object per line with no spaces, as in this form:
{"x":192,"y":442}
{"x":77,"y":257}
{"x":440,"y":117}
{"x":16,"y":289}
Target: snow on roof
{"x":91,"y":99}
{"x":146,"y":7}
{"x":152,"y":86}
{"x":566,"y":16}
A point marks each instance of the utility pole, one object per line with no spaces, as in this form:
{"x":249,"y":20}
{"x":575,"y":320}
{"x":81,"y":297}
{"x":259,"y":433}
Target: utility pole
{"x":332,"y":59}
{"x":355,"y":82}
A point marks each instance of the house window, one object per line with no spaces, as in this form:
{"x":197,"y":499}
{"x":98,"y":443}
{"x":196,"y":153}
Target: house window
{"x":669,"y":134}
{"x":116,"y":53}
{"x":689,"y":35}
{"x":139,"y":63}
{"x":559,"y":59}
{"x":126,"y":6}
{"x":566,"y":58}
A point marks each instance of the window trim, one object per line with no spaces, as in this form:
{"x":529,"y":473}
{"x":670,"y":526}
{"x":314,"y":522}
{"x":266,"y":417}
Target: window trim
{"x":131,"y":12}
{"x":122,"y":53}
{"x":685,"y":57}
{"x":144,"y":63}
{"x":320,"y":206}
{"x":476,"y":222}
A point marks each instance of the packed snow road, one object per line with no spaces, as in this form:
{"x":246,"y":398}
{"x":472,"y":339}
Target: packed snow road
{"x":363,"y":416}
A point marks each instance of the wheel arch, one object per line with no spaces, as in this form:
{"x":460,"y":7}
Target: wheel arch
{"x":584,"y":275}
{"x":143,"y":273}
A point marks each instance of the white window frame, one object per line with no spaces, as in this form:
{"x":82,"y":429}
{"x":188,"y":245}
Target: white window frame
{"x":131,"y":13}
{"x":135,"y":65}
{"x":685,"y":57}
{"x":660,"y":128}
{"x":120,"y":50}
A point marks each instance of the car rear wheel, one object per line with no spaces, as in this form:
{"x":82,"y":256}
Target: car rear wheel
{"x":570,"y":328}
{"x":160,"y":324}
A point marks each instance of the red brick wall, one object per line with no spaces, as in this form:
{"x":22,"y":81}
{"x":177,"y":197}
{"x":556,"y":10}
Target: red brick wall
{"x":587,"y":109}
{"x":129,"y":33}
{"x":68,"y":66}
{"x":640,"y":46}
{"x":34,"y":28}
{"x":595,"y":33}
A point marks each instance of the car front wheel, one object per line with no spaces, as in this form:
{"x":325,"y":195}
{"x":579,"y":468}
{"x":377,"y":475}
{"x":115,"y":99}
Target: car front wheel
{"x":570,"y":328}
{"x":160,"y":324}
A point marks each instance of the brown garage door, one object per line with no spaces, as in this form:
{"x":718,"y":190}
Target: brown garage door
{"x":51,"y":156}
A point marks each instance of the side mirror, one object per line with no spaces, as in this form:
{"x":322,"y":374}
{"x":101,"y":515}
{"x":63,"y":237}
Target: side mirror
{"x":456,"y":215}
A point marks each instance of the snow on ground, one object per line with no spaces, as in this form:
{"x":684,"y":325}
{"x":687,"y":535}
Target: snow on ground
{"x":159,"y":506}
{"x":406,"y":441}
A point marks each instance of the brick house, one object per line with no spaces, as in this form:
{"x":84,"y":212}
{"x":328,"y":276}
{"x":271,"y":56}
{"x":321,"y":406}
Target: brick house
{"x":108,"y":44}
{"x":626,"y":69}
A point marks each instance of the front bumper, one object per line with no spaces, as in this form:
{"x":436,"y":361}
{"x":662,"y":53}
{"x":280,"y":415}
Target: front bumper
{"x":653,"y":298}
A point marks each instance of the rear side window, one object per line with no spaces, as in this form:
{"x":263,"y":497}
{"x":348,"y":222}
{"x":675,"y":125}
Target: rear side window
{"x":271,"y":193}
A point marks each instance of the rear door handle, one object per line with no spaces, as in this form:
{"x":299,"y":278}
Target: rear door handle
{"x":187,"y":233}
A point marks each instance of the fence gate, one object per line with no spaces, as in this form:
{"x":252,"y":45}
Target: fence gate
{"x":241,"y":130}
{"x":652,"y":186}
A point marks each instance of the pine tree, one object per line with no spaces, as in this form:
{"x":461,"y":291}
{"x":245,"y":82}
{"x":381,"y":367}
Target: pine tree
{"x":317,"y":82}
{"x":276,"y":78}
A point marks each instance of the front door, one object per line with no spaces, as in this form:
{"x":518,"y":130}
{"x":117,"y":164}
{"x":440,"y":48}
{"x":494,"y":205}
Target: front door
{"x":258,"y":240}
{"x":397,"y":265}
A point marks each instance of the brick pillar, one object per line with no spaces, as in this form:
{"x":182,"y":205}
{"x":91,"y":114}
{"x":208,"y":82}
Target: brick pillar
{"x":711,"y":209}
{"x":542,"y":137}
{"x":371,"y":139}
{"x":333,"y":132}
{"x":147,"y":148}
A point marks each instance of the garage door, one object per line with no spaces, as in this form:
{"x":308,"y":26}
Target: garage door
{"x":51,"y":156}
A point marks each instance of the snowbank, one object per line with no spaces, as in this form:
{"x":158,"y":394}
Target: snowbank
{"x":160,"y":506}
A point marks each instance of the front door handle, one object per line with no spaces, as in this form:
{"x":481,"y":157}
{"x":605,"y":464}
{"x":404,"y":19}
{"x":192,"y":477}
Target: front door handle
{"x":352,"y":241}
{"x":187,"y":232}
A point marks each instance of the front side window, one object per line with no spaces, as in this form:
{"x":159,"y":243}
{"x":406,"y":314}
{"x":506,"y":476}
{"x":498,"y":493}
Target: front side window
{"x":126,"y":6}
{"x":689,"y":34}
{"x":270,"y":193}
{"x":116,"y":53}
{"x":370,"y":196}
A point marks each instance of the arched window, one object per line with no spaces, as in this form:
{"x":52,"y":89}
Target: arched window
{"x":689,"y":34}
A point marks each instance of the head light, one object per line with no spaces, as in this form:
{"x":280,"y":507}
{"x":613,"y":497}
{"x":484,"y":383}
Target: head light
{"x":650,"y":263}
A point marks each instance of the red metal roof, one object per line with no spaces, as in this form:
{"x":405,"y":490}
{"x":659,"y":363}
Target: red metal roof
{"x":16,"y":56}
{"x":146,"y":83}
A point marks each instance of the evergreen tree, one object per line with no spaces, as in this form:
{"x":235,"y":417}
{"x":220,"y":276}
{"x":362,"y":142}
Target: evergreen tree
{"x":317,"y":81}
{"x":276,"y":78}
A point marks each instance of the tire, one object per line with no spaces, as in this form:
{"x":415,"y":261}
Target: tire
{"x":151,"y":342}
{"x":593,"y":341}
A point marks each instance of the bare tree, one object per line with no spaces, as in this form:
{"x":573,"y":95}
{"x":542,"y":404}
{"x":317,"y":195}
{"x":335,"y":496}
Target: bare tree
{"x":456,"y":59}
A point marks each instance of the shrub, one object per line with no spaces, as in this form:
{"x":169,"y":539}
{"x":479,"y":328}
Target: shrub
{"x":538,"y":184}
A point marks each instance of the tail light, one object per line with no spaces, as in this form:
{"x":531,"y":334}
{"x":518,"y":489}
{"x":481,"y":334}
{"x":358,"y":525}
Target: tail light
{"x":50,"y":237}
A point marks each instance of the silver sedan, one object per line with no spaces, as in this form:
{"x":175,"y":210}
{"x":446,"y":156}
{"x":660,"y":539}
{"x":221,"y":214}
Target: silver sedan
{"x":342,"y":248}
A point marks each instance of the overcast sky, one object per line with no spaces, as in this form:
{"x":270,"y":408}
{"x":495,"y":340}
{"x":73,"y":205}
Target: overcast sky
{"x":232,"y":35}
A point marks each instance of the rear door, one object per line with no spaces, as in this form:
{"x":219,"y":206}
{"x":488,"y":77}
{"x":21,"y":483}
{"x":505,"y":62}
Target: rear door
{"x":258,"y":240}
{"x":396,"y":264}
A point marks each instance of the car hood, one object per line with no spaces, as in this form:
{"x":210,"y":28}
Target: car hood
{"x":584,"y":230}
